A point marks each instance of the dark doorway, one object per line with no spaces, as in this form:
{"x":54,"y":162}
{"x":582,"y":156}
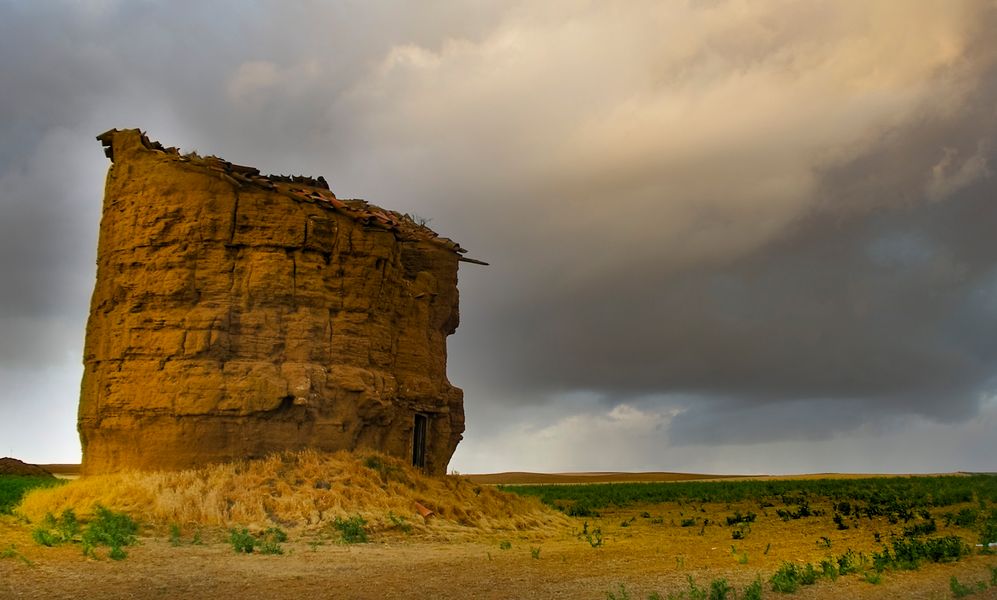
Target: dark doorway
{"x":419,"y":441}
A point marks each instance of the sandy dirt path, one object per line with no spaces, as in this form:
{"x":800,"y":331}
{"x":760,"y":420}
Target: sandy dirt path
{"x":643,"y":559}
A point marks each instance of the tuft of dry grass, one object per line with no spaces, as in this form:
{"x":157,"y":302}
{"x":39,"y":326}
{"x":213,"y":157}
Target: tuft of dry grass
{"x":304,"y":490}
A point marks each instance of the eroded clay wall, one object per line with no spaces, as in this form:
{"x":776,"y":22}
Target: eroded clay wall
{"x":230,"y":320}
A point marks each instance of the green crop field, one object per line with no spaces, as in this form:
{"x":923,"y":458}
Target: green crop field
{"x":893,"y":494}
{"x":13,"y":488}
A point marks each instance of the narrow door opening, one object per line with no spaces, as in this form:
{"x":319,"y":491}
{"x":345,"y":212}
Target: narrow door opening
{"x":419,"y":441}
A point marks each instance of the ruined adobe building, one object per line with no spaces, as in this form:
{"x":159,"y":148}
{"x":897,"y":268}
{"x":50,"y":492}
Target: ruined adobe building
{"x":236,"y":314}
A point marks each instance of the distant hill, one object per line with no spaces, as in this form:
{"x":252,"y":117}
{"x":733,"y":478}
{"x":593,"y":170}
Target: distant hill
{"x":13,"y":466}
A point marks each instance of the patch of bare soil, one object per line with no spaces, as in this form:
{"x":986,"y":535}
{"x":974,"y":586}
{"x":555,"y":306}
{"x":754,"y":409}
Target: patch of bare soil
{"x":652,"y":553}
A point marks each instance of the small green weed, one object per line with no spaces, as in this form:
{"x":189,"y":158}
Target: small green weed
{"x":535,"y":553}
{"x":11,"y":552}
{"x":387,"y":471}
{"x":594,"y":538}
{"x":620,"y":594}
{"x":740,"y":532}
{"x":960,"y":590}
{"x":400,"y":524}
{"x":505,"y":545}
{"x":174,"y":535}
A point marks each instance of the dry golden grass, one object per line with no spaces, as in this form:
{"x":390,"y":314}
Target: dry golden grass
{"x":305,"y":490}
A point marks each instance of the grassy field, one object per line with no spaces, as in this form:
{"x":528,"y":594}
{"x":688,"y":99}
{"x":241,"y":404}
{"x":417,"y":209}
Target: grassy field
{"x":876,"y":537}
{"x":881,"y":493}
{"x":13,"y":488}
{"x":860,"y":527}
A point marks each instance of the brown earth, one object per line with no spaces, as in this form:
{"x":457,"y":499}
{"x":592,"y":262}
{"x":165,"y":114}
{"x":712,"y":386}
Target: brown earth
{"x":13,"y":466}
{"x":645,"y":556}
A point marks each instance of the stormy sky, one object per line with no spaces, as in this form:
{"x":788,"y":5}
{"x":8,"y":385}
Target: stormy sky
{"x":724,"y":236}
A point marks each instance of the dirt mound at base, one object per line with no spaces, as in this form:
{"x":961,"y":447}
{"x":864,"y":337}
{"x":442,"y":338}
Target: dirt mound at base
{"x":304,"y":490}
{"x":12,"y":466}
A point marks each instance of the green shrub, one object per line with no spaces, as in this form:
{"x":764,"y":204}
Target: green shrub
{"x":848,"y":563}
{"x":909,"y":553}
{"x":241,"y":540}
{"x":721,"y":590}
{"x":45,"y":537}
{"x":786,"y":579}
{"x":696,"y":592}
{"x":737,"y":517}
{"x":829,"y":569}
{"x":988,"y":530}
{"x":754,"y":591}
{"x":53,"y":531}
{"x":271,"y":539}
{"x":352,"y":530}
{"x":111,"y":529}
{"x":966,"y":517}
{"x":581,"y":509}
{"x":505,"y":545}
{"x":925,"y":528}
{"x":808,"y":575}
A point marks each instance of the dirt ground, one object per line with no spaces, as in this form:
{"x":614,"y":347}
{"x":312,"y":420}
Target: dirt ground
{"x":652,"y":553}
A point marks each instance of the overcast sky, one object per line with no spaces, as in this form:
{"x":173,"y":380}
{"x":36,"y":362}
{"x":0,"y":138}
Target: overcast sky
{"x":725,"y":236}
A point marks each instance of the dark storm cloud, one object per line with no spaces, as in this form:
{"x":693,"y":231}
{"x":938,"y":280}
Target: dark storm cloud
{"x":711,"y":211}
{"x":874,"y":301}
